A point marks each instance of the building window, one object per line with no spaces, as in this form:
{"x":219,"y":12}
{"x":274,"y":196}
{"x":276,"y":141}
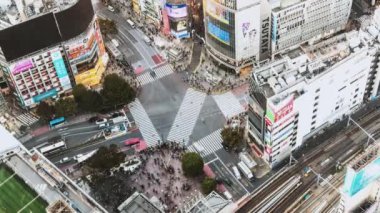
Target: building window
{"x":317,"y":90}
{"x":316,"y":98}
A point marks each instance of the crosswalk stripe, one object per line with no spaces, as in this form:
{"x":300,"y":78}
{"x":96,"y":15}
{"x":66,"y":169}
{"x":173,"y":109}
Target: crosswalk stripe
{"x":160,"y":71}
{"x":27,"y":119}
{"x":211,"y":143}
{"x":186,"y":117}
{"x":144,"y":123}
{"x":228,"y":104}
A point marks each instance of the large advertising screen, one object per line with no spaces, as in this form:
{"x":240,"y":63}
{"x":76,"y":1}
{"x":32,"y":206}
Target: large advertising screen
{"x":356,"y":181}
{"x":176,"y":11}
{"x":218,"y":12}
{"x":219,"y":34}
{"x":45,"y":95}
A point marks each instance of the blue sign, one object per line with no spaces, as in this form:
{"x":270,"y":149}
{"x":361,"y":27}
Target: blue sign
{"x":60,"y":67}
{"x":356,"y":181}
{"x":274,"y":29}
{"x":43,"y":96}
{"x":218,"y":33}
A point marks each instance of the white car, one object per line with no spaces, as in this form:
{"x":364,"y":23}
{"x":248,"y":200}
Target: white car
{"x":64,"y":160}
{"x":110,"y":8}
{"x":101,"y":121}
{"x":78,"y":156}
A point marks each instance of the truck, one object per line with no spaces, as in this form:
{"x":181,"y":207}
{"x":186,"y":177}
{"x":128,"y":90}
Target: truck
{"x":115,"y":42}
{"x":247,"y":159}
{"x":245,"y":170}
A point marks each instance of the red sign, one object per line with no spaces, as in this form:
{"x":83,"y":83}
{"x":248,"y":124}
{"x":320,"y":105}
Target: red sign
{"x":285,"y":110}
{"x":166,"y":25}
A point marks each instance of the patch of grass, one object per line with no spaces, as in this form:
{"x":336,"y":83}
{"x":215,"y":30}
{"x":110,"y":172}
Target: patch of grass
{"x":15,"y":194}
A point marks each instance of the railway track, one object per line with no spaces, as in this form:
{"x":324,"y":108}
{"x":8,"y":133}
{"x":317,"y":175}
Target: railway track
{"x":251,"y":205}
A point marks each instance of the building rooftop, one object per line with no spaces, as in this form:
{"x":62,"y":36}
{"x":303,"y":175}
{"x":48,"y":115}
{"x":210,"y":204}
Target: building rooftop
{"x":46,"y":30}
{"x":306,"y":63}
{"x":212,"y":203}
{"x":139,"y":203}
{"x":39,"y":174}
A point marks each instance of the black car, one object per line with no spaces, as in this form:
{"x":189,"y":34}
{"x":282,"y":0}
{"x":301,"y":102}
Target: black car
{"x":153,"y":74}
{"x":93,"y":119}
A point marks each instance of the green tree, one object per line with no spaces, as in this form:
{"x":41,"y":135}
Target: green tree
{"x":107,"y":26}
{"x":65,"y":107}
{"x":92,"y":101}
{"x":106,"y":158}
{"x":232,"y":137}
{"x":192,"y":164}
{"x":116,"y":91}
{"x":79,"y":91}
{"x":208,"y":185}
{"x":45,"y":111}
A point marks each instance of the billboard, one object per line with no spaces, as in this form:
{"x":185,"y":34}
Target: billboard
{"x":219,"y":34}
{"x":273,"y":114}
{"x":91,"y":77}
{"x":358,"y":180}
{"x":166,"y":25}
{"x":61,"y":70}
{"x":247,"y":25}
{"x":45,"y":95}
{"x":176,"y":11}
{"x":218,"y":12}
{"x":21,"y":66}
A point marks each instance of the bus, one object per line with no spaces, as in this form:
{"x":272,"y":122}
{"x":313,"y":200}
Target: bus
{"x":246,"y":171}
{"x":131,"y":23}
{"x":56,"y":122}
{"x":53,"y":148}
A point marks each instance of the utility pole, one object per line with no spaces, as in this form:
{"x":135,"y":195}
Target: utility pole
{"x":370,"y":136}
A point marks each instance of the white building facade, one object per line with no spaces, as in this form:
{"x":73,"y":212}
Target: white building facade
{"x":233,"y":31}
{"x":297,"y":21}
{"x":295,"y":97}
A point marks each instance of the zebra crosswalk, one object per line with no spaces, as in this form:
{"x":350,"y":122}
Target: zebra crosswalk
{"x":187,"y":116}
{"x":160,"y":72}
{"x":228,"y":104}
{"x":144,"y":123}
{"x":208,"y":144}
{"x":96,"y":136}
{"x":27,"y":119}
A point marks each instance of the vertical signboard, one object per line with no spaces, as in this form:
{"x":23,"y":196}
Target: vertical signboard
{"x":61,"y":70}
{"x":247,"y":25}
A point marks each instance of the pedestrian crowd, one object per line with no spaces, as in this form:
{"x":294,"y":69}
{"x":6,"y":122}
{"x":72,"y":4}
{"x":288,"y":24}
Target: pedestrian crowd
{"x":161,"y":175}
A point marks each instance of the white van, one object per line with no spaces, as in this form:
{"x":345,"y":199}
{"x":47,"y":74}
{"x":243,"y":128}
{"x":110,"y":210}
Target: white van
{"x":236,"y":172}
{"x":131,"y":23}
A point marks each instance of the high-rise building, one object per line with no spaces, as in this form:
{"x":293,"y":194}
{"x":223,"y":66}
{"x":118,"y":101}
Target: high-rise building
{"x":296,"y":21}
{"x":237,"y":31}
{"x":46,"y":55}
{"x":298,"y":95}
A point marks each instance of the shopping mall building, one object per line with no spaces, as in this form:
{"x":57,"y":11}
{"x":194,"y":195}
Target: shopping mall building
{"x":237,"y":32}
{"x":45,"y":56}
